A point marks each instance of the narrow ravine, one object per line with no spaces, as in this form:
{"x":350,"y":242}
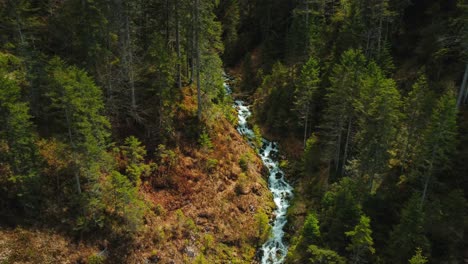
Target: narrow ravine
{"x":274,"y":250}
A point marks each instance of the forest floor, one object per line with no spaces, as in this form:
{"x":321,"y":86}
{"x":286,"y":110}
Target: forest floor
{"x":212,"y":205}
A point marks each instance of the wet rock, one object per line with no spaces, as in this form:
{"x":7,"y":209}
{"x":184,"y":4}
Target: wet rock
{"x":190,"y":251}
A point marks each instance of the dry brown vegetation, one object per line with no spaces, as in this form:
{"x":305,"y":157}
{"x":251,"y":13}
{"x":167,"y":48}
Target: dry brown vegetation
{"x":202,"y":212}
{"x":36,"y":246}
{"x":203,"y":206}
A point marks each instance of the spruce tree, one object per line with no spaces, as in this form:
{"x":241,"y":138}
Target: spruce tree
{"x":306,"y":88}
{"x":378,"y":108}
{"x":361,"y":241}
{"x":18,"y":170}
{"x":340,"y":114}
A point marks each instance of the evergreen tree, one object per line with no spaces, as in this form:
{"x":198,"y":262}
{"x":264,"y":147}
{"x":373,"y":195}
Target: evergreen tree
{"x":311,"y":229}
{"x":418,"y":258}
{"x":135,"y":153}
{"x":417,"y":110}
{"x":361,"y":241}
{"x":18,"y":175}
{"x":324,"y":256}
{"x":409,"y":233}
{"x":76,"y":102}
{"x":306,"y":87}
{"x":439,"y":140}
{"x":306,"y":35}
{"x":341,"y":211}
{"x":378,"y":108}
{"x":340,"y":114}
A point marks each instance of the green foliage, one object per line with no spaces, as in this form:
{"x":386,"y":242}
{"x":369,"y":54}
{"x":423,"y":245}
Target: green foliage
{"x":440,"y":135}
{"x":263,"y":227}
{"x":185,"y":225}
{"x":208,"y":242}
{"x":18,"y":175}
{"x":78,"y":105}
{"x":135,"y":154}
{"x":311,"y":156}
{"x":200,"y":259}
{"x":205,"y":141}
{"x":306,"y":87}
{"x":361,"y":241}
{"x":96,"y":259}
{"x":340,"y":113}
{"x":311,"y":229}
{"x":418,"y":258}
{"x":167,"y":157}
{"x":230,"y":19}
{"x":211,"y":164}
{"x":417,"y":107}
{"x":123,"y":202}
{"x":272,"y":107}
{"x":257,"y":139}
{"x":378,"y":108}
{"x":409,"y":234}
{"x":245,"y":160}
{"x":242,"y":185}
{"x":341,"y":211}
{"x":307,"y":30}
{"x":320,"y":255}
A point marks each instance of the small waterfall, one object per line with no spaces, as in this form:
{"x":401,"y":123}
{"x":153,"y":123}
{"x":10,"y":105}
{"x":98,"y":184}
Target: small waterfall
{"x":274,"y":250}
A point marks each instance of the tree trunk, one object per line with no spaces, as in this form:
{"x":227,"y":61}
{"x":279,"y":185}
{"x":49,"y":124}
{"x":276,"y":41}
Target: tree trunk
{"x":463,"y":93}
{"x":338,"y":150}
{"x":345,"y":155}
{"x":305,"y":126}
{"x":428,"y":179}
{"x":129,"y":55}
{"x":197,"y":49}
{"x":167,"y":22}
{"x":179,"y":67}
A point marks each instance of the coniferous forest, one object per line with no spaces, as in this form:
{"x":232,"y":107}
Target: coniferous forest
{"x":233,"y":131}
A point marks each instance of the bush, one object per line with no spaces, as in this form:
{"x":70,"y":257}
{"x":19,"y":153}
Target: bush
{"x":257,"y":140}
{"x":205,"y":141}
{"x":311,"y":231}
{"x":263,"y":226}
{"x":245,"y":161}
{"x":242,"y":184}
{"x":211,"y":164}
{"x":208,"y":242}
{"x":96,"y":259}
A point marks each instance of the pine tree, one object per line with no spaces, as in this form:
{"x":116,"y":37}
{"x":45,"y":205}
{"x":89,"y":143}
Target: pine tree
{"x":361,"y":241}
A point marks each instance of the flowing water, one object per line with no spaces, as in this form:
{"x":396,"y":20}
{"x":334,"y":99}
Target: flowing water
{"x":274,"y":250}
